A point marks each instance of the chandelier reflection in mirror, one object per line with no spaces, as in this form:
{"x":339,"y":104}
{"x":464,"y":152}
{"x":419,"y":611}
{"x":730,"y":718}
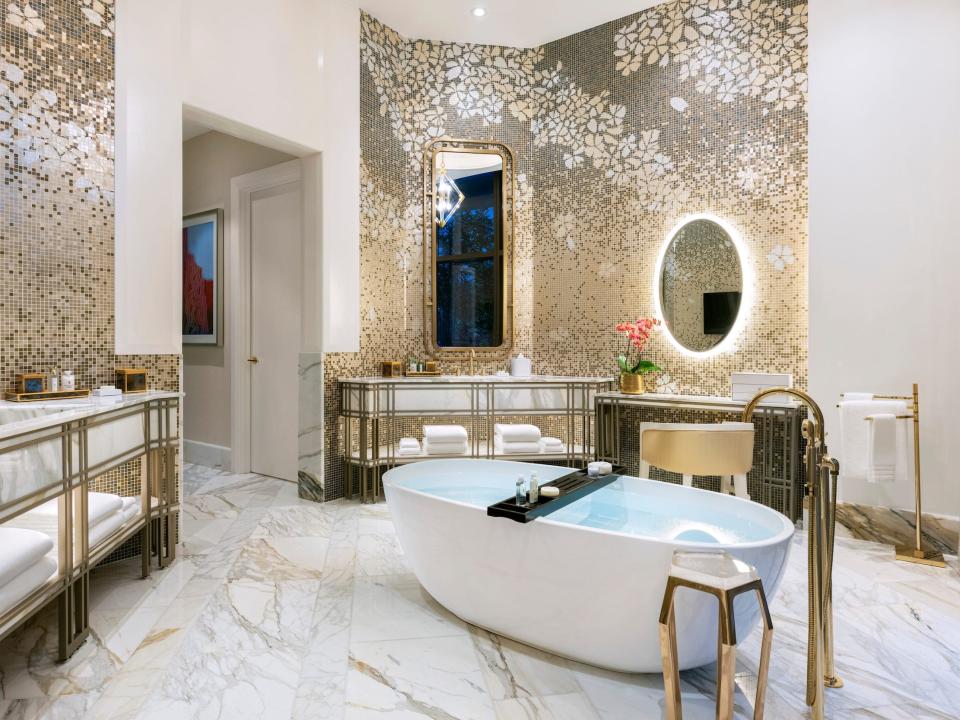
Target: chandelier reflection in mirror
{"x":449,"y":195}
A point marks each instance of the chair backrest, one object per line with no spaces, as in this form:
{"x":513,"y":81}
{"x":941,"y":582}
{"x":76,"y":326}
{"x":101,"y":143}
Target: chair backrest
{"x":698,"y":449}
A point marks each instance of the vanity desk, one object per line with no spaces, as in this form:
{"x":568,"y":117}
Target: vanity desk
{"x":776,"y":479}
{"x":89,"y":476}
{"x":375,"y":412}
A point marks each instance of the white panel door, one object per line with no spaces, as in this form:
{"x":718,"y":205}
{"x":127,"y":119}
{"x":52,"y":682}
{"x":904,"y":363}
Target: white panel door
{"x":275,"y":241}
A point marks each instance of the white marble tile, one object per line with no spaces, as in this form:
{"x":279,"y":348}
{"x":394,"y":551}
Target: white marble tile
{"x":395,"y":607}
{"x":573,"y":706}
{"x":276,"y":559}
{"x":380,"y":555}
{"x":425,"y":678}
{"x":515,"y":670}
{"x":242,"y":657}
{"x":315,"y":520}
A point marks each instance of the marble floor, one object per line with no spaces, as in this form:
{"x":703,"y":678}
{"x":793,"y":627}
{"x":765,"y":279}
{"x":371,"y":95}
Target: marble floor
{"x":898,"y":527}
{"x":281,"y":608}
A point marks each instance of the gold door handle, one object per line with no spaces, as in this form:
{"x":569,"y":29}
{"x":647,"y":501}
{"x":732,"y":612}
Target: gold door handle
{"x":253,"y":359}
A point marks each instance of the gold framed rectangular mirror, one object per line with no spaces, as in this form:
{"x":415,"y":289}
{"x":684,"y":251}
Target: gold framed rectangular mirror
{"x":468,"y":214}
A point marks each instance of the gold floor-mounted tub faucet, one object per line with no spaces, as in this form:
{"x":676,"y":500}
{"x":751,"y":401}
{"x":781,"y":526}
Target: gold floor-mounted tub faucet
{"x":821,"y":502}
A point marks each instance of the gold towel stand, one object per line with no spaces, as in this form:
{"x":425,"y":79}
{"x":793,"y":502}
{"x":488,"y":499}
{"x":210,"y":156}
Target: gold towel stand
{"x":917,"y":553}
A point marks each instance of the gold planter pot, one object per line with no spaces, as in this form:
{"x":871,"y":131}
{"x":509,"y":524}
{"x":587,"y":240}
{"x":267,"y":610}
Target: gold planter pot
{"x":631,"y":384}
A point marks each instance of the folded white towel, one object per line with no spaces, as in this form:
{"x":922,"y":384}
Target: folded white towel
{"x":407,"y":451}
{"x":517,"y":433}
{"x":855,"y":435}
{"x":857,"y":396}
{"x":552,"y":441}
{"x":561,"y":448}
{"x":447,"y":448}
{"x":20,"y":550}
{"x":882,"y":462}
{"x":99,"y":507}
{"x":445,"y":433}
{"x":409,"y":442}
{"x":516,"y":448}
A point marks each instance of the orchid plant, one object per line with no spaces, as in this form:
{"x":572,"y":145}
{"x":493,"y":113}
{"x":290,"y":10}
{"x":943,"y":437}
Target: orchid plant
{"x":637,"y":335}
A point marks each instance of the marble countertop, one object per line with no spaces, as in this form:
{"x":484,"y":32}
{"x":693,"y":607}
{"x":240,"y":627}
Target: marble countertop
{"x":674,"y":400}
{"x":44,"y":414}
{"x":532,"y":379}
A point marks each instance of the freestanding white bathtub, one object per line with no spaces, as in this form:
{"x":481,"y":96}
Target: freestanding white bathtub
{"x":587,"y":581}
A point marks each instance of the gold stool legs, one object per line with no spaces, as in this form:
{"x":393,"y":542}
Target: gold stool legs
{"x":726,"y":649}
{"x":668,"y":653}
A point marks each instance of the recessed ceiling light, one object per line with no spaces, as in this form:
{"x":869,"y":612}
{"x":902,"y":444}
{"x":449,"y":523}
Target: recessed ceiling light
{"x":479,"y":12}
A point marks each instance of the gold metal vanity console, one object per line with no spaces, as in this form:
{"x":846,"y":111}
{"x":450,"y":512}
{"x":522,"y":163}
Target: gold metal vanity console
{"x":60,"y":451}
{"x":376,"y":412}
{"x":776,"y":480}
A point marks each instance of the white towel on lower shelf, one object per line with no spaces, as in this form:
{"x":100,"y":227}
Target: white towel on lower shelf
{"x":409,"y":442}
{"x":855,"y":435}
{"x":445,"y":433}
{"x":516,"y":448}
{"x":882,"y":461}
{"x":553,"y":447}
{"x":444,"y":448}
{"x":34,"y":577}
{"x":407,"y":451}
{"x":517,"y":432}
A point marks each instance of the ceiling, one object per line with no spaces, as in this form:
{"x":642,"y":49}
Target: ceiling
{"x":517,"y":23}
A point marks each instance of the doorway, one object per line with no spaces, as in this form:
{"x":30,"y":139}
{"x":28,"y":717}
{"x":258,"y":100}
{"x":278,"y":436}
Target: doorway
{"x":275,"y":232}
{"x":268,"y":234}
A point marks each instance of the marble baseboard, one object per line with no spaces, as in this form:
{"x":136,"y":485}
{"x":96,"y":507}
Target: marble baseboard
{"x":897,"y":527}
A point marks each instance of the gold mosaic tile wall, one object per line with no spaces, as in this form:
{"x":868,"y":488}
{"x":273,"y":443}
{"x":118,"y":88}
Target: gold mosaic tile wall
{"x":619,"y":132}
{"x":57,"y":195}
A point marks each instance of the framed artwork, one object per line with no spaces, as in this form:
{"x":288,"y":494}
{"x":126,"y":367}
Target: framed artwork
{"x":202,"y":278}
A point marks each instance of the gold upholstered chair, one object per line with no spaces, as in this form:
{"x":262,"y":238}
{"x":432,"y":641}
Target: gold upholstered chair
{"x":723,"y":449}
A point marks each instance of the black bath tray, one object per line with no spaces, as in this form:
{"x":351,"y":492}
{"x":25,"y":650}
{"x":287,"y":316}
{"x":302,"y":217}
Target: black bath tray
{"x":574,"y":486}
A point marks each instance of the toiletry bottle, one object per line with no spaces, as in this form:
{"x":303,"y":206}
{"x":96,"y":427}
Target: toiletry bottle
{"x":521,"y":495}
{"x":534,"y":488}
{"x":54,"y":381}
{"x":68,"y":381}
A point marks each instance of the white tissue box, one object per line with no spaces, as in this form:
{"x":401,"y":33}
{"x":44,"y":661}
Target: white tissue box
{"x":106,"y":391}
{"x":745,"y":385}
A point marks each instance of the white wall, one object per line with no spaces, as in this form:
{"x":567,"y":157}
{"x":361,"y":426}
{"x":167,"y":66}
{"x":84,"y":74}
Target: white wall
{"x":884,"y":229}
{"x":209,"y":162}
{"x":285,"y":75}
{"x":148,"y":217}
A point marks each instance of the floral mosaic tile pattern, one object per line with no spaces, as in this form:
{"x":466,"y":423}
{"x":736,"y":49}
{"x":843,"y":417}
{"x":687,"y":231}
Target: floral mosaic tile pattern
{"x":619,"y":132}
{"x":56,"y":240}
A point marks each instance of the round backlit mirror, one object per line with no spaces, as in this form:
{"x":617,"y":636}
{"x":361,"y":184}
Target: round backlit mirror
{"x":700,"y":284}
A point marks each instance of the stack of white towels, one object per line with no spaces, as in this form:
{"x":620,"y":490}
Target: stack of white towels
{"x":873,"y":441}
{"x":520,"y":439}
{"x":408,"y":446}
{"x":445,"y":440}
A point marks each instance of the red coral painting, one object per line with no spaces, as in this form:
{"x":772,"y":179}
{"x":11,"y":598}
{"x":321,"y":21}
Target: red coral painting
{"x":201,"y":278}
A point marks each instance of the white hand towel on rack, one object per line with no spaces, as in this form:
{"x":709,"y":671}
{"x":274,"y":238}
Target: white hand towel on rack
{"x":445,"y":433}
{"x":517,"y":433}
{"x":882,"y":461}
{"x":855,"y":435}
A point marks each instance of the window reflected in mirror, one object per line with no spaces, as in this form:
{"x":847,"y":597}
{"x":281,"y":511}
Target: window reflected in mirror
{"x":469,"y":250}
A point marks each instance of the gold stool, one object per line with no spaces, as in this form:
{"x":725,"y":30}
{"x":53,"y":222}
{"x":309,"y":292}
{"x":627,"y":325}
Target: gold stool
{"x":725,"y":577}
